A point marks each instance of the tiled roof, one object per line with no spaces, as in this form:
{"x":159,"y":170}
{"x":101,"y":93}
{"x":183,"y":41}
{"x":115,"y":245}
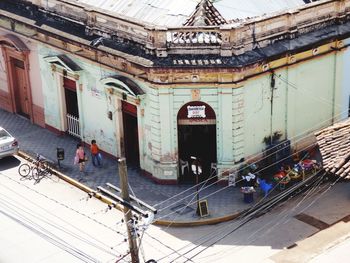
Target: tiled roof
{"x":173,"y":13}
{"x":334,"y":144}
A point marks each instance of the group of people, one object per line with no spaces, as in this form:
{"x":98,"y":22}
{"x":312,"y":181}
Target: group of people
{"x":81,"y":158}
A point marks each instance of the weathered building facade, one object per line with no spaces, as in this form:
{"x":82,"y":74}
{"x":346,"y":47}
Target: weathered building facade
{"x":163,"y":89}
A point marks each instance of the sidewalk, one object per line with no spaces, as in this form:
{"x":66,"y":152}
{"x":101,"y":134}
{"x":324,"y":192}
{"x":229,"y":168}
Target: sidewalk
{"x":224,"y":203}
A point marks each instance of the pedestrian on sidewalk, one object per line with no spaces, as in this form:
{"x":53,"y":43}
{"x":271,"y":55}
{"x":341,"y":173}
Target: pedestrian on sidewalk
{"x":95,"y":154}
{"x":80,"y":155}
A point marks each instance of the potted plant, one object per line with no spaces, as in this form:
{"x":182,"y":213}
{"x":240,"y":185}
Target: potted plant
{"x":272,"y":139}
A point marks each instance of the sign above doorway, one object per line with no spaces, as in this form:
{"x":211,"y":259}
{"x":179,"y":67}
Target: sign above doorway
{"x":196,"y":111}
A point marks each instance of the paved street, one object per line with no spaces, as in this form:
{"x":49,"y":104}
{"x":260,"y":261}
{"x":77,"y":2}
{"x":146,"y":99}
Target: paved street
{"x":170,"y":200}
{"x":52,"y":221}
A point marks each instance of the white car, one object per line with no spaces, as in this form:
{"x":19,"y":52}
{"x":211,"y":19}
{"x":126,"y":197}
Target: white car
{"x":8,"y":144}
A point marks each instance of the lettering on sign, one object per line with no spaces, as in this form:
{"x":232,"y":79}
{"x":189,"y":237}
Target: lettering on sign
{"x":197,"y":122}
{"x":203,"y":208}
{"x":196,"y":111}
{"x":232,"y":179}
{"x":168,"y":173}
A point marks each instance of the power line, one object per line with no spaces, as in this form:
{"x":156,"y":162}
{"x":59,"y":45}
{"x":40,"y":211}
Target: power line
{"x":50,"y":237}
{"x":224,"y":234}
{"x":55,"y":225}
{"x":48,"y":222}
{"x":55,"y":201}
{"x":313,"y":201}
{"x":223,"y":188}
{"x":287,"y":211}
{"x":298,"y":135}
{"x":242,"y":217}
{"x":311,"y":95}
{"x":254,"y":156}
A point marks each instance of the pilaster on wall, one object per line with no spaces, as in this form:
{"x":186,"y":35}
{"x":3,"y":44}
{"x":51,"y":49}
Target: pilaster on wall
{"x":225,"y":154}
{"x":163,"y":156}
{"x":155,"y":125}
{"x":166,"y":132}
{"x":38,"y":115}
{"x":119,"y":128}
{"x":5,"y":101}
{"x":340,"y":97}
{"x":238,"y":124}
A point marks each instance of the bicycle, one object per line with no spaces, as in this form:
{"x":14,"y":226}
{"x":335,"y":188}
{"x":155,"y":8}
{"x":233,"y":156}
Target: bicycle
{"x":38,"y":167}
{"x":40,"y":172}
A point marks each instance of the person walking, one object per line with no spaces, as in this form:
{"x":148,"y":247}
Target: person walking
{"x":80,"y":156}
{"x":95,"y":154}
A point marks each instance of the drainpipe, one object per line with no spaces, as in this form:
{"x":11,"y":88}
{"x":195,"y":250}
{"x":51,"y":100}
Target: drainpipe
{"x":272,"y":85}
{"x":81,"y":110}
{"x":286,"y":108}
{"x":334,"y":84}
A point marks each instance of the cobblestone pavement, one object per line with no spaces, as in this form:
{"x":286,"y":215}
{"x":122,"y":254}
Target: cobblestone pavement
{"x":174,"y":202}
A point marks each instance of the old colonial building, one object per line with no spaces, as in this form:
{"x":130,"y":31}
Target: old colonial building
{"x":161,"y":81}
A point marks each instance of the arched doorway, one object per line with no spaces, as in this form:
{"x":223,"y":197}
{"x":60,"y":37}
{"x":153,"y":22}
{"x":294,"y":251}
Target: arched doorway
{"x":131,"y":138}
{"x":196,"y":137}
{"x":66,"y":73}
{"x":126,"y":94}
{"x":19,"y":97}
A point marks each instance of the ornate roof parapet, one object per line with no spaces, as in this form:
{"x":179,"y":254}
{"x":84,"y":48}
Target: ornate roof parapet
{"x":213,"y":38}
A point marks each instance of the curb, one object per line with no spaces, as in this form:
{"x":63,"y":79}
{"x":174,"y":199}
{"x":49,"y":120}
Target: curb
{"x":211,"y":221}
{"x":110,"y":202}
{"x":79,"y":185}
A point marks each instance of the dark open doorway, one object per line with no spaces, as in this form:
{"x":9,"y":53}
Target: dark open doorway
{"x":198,"y":141}
{"x":196,"y":137}
{"x":131,"y":141}
{"x":71,"y":98}
{"x":71,"y":102}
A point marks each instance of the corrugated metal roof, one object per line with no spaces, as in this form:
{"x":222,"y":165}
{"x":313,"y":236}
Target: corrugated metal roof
{"x":238,"y":9}
{"x":177,"y":12}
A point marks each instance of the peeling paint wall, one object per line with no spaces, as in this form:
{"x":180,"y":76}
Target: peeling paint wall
{"x":344,"y":94}
{"x":34,"y":72}
{"x":50,"y":89}
{"x":3,"y":74}
{"x":306,"y":96}
{"x":93,"y":102}
{"x":303,"y":102}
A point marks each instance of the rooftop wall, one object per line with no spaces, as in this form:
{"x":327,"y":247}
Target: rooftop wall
{"x":226,"y":40}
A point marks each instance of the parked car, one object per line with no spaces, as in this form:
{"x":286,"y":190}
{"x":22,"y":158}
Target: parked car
{"x":8,"y":144}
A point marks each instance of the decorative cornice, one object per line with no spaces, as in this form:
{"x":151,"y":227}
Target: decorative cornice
{"x":193,"y":69}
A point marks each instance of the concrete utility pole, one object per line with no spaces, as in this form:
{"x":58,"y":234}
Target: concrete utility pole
{"x":124,"y":185}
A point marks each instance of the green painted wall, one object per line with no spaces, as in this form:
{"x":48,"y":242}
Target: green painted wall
{"x":303,"y":100}
{"x":93,"y":102}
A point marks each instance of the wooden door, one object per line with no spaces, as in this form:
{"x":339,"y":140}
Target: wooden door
{"x":131,"y":140}
{"x":21,"y":91}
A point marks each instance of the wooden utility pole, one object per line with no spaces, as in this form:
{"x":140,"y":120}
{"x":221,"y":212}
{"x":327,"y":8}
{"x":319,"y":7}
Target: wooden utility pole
{"x":124,"y":186}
